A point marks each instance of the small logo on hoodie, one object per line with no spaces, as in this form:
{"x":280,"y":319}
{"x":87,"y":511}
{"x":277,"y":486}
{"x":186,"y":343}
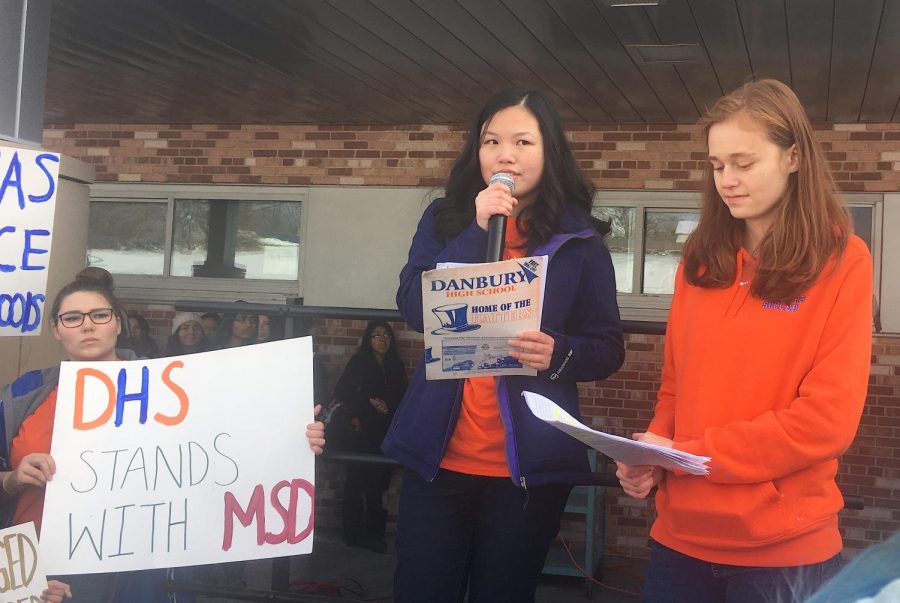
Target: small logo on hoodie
{"x":782,"y":307}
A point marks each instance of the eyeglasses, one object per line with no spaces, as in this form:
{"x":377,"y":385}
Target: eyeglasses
{"x":99,"y":316}
{"x":384,"y":336}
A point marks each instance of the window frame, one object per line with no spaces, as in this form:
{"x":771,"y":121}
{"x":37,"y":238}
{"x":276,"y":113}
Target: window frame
{"x":876,"y":202}
{"x":654,"y":307}
{"x":167,"y":288}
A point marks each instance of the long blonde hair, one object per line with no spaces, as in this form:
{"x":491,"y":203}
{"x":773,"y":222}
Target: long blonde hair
{"x":811,"y":225}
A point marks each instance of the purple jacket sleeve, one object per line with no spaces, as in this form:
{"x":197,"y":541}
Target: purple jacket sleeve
{"x":427,"y":250}
{"x":588,"y":343}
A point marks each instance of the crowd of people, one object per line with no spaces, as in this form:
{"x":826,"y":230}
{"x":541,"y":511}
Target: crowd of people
{"x":193,"y":332}
{"x":766,"y":366}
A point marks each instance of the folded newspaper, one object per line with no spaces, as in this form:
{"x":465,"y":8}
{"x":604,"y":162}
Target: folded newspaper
{"x":617,"y":448}
{"x":471,"y":311}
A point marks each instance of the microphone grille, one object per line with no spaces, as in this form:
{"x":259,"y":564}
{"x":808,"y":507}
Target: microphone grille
{"x":504,"y":178}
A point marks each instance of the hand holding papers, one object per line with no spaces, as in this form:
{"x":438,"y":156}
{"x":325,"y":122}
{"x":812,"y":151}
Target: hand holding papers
{"x":470,"y":311}
{"x":615,"y":447}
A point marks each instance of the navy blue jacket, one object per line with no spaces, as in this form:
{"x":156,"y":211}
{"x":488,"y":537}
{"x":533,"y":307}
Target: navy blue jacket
{"x":580,"y":313}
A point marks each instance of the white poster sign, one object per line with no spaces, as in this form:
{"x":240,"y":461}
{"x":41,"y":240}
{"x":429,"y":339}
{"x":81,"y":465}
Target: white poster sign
{"x":180,"y":461}
{"x":28,"y":184}
{"x":22,"y":577}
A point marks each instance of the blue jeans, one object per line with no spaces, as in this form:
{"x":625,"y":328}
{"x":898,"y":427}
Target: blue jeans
{"x":676,"y":578}
{"x":467,"y":532}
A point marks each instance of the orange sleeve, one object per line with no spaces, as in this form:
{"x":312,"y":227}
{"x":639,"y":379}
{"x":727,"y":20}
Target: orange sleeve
{"x":821,"y":422}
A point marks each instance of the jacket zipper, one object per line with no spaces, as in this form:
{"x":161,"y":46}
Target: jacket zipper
{"x":501,"y":382}
{"x":510,"y":449}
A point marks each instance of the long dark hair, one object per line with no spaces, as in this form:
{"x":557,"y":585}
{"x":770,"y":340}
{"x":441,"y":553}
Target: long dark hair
{"x":223,"y":335}
{"x":365,"y":346}
{"x":145,"y":326}
{"x":811,"y":225}
{"x":562,"y":183}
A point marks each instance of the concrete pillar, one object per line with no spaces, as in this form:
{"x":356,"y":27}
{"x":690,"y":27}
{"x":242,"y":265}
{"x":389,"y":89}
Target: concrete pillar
{"x":67,"y":256}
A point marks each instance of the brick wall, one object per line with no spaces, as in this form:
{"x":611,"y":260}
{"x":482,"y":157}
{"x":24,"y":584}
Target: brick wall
{"x":865,"y":157}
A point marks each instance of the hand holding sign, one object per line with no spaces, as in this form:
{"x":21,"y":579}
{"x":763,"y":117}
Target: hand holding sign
{"x":35,"y":469}
{"x":315,"y":433}
{"x":56,"y":592}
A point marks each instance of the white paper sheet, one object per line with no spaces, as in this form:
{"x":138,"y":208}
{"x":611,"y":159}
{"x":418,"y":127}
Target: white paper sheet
{"x":617,"y":448}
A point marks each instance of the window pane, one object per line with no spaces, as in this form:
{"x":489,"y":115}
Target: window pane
{"x":127,"y":237}
{"x":190,"y":232}
{"x":620,"y":242}
{"x":862,"y":216}
{"x":237,"y":239}
{"x":664,"y":236}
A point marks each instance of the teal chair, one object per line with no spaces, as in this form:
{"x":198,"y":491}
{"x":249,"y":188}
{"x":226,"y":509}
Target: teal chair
{"x":584,"y":501}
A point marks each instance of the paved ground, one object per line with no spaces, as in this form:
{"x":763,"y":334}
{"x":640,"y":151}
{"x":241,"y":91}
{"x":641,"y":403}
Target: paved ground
{"x":337,"y":571}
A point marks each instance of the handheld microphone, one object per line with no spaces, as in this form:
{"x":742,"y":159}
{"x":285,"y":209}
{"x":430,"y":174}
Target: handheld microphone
{"x":497,"y":222}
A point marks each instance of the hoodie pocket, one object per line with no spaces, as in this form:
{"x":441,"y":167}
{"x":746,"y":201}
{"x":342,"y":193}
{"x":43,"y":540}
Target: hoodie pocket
{"x":720,"y":515}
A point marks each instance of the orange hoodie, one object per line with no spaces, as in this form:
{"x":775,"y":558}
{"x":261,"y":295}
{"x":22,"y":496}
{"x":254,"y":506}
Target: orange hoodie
{"x":773,"y":393}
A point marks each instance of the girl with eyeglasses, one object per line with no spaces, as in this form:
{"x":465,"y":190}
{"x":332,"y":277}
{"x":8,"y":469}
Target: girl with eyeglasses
{"x":85,"y":319}
{"x":369,"y":391}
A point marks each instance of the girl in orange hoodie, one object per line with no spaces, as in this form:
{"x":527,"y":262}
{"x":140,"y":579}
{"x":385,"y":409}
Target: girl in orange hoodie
{"x":766,"y":365}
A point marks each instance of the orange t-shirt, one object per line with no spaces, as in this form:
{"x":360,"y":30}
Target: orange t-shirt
{"x":34,"y":435}
{"x":477,"y":444}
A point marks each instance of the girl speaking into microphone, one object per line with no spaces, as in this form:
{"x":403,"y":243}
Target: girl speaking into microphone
{"x":486,"y":482}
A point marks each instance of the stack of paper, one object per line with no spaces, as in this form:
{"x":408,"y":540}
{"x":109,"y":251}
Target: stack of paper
{"x":617,"y":448}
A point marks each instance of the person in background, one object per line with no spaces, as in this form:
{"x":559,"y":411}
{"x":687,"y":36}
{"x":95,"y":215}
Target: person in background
{"x":486,"y":481}
{"x":210,"y":322}
{"x":271,"y":328}
{"x":141,"y":343}
{"x":766,"y":365}
{"x":237,"y":329}
{"x":262,"y":328}
{"x":369,"y":389}
{"x":187,"y":335}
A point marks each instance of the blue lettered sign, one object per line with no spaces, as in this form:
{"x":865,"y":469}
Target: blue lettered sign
{"x":28,"y":183}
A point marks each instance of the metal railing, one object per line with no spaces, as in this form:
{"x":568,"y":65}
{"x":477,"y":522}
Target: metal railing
{"x":292,"y":312}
